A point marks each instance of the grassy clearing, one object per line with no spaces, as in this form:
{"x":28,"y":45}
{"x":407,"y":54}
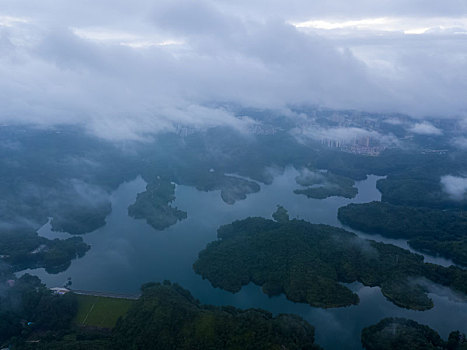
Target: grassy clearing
{"x":96,"y":311}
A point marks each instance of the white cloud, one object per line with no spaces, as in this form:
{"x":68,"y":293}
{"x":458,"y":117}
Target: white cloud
{"x":301,"y":10}
{"x":454,"y":186}
{"x":425,"y":128}
{"x":407,"y":25}
{"x":393,"y":121}
{"x":125,"y":70}
{"x":10,"y":21}
{"x":366,"y":23}
{"x":463,"y":123}
{"x":460,"y":142}
{"x":342,"y":134}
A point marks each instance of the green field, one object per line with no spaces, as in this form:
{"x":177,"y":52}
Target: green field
{"x":97,"y":311}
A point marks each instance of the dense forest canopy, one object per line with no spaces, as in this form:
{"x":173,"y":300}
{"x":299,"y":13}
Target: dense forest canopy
{"x":308,"y":262}
{"x":168,"y":317}
{"x":324,"y":184}
{"x":436,"y":231}
{"x":404,"y":334}
{"x":25,"y":249}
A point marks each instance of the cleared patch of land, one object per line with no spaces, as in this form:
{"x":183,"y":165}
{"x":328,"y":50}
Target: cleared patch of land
{"x":102,"y":312}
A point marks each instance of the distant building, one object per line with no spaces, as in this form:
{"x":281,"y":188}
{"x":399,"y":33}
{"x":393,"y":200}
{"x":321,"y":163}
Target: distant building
{"x":362,"y":145}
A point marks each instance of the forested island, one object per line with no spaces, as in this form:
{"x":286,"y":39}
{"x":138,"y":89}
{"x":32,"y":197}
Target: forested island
{"x":154,"y":205}
{"x":431,"y":230}
{"x":25,"y":249}
{"x":232,"y":188}
{"x":308,"y":262}
{"x":404,"y":334}
{"x":324,"y":184}
{"x":328,"y":191}
{"x":166,"y":316}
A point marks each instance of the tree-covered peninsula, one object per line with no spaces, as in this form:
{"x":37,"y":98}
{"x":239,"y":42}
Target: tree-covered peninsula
{"x":154,"y":205}
{"x":404,"y":334}
{"x":308,"y":263}
{"x":79,"y":219}
{"x":432,"y":230}
{"x":324,"y":184}
{"x":25,"y":249}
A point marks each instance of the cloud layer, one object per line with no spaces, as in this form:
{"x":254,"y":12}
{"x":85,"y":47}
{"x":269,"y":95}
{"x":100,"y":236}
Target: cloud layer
{"x":425,"y":128}
{"x":454,"y":186}
{"x":125,"y":70}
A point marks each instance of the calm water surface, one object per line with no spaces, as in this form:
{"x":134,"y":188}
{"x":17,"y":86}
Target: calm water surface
{"x":127,"y":253}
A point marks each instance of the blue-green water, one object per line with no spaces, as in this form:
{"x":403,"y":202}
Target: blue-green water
{"x":126,"y":253}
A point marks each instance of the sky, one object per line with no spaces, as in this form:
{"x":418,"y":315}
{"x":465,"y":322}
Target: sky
{"x":126,"y":69}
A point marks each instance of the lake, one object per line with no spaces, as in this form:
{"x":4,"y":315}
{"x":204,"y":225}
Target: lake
{"x":126,"y":253}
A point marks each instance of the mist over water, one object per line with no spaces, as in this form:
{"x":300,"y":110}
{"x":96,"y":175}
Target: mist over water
{"x":126,"y":253}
